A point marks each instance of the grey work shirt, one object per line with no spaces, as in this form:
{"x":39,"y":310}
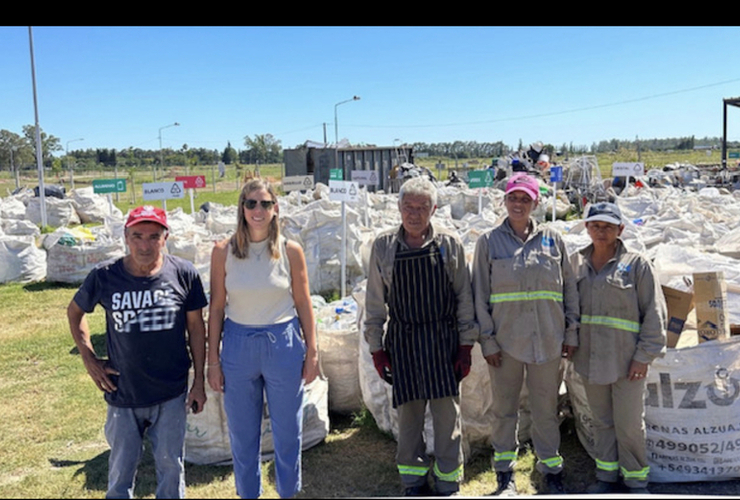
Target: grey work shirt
{"x":623,"y":315}
{"x":526,"y":301}
{"x":380,"y":277}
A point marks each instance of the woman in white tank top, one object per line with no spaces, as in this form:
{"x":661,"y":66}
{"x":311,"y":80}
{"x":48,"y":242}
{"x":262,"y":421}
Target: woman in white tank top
{"x":260,"y":304}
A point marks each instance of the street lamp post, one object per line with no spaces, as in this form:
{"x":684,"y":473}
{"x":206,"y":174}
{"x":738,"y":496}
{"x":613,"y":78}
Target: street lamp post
{"x":71,"y":166}
{"x":343,"y":255}
{"x":161,"y":153}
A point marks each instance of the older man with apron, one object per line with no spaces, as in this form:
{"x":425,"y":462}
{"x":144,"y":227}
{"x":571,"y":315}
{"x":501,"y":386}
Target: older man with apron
{"x":419,"y":283}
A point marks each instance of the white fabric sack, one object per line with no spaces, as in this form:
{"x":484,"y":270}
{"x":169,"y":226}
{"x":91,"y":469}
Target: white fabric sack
{"x":92,"y":207}
{"x":70,"y":258}
{"x":59,"y":212}
{"x":21,"y":260}
{"x":338,"y":347}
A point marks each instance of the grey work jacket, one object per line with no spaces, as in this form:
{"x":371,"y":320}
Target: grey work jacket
{"x":623,"y":315}
{"x":380,"y":277}
{"x":526,"y":301}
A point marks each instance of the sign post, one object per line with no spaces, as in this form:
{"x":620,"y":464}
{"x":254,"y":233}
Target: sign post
{"x":192,"y":182}
{"x":556,"y":175}
{"x":480,"y":179}
{"x":344,"y":191}
{"x":162,"y":191}
{"x":366,"y":178}
{"x":636,"y":169}
{"x":108,"y":186}
{"x":297,"y":182}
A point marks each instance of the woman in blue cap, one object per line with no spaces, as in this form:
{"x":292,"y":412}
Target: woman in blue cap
{"x":623,"y":322}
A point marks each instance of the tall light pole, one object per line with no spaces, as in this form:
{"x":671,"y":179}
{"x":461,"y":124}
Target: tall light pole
{"x":343,"y":254}
{"x":39,"y":150}
{"x":161,"y":154}
{"x":71,"y":167}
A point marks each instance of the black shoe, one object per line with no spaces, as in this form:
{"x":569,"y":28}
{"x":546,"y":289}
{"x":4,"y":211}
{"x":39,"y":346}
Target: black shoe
{"x":638,"y":491}
{"x":506,"y":484}
{"x":422,"y":490}
{"x":554,"y":483}
{"x":602,"y":487}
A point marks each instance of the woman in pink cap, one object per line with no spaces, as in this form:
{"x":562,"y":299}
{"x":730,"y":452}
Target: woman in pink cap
{"x":526,"y":303}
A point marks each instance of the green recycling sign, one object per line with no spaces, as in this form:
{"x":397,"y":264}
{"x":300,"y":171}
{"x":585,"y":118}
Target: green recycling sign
{"x":480,"y":179}
{"x":103,"y":186}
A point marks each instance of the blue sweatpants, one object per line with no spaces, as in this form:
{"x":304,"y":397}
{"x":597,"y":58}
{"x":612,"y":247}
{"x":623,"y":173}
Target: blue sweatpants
{"x":257,"y":360}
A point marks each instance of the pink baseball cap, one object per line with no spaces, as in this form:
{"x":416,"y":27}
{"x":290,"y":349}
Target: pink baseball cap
{"x":524,"y":182}
{"x":147,"y":213}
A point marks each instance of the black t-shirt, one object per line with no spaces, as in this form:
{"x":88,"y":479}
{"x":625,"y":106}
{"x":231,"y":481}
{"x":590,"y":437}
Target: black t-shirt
{"x":145,"y":327}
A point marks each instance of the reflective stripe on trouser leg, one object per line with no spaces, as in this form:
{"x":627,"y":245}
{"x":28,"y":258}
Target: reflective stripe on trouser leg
{"x":543,"y":384}
{"x":506,"y":389}
{"x":619,"y":430}
{"x":411,"y":457}
{"x":265,"y":359}
{"x":448,"y":454}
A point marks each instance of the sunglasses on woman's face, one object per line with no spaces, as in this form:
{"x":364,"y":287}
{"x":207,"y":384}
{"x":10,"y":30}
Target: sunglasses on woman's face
{"x":252,"y":204}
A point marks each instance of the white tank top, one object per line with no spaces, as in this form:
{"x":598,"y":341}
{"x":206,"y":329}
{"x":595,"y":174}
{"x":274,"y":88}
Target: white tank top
{"x":258,"y":288}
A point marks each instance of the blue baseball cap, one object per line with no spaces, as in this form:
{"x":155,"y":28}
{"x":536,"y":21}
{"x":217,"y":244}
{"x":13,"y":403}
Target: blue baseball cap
{"x":605,"y":212}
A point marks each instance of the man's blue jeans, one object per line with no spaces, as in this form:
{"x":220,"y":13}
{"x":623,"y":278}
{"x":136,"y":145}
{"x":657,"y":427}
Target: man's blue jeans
{"x":164,"y":425}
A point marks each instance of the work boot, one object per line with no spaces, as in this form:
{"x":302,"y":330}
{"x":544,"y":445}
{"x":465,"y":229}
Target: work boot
{"x":638,"y":491}
{"x":421,"y":490}
{"x":602,"y":487}
{"x":554,"y":484}
{"x":506,"y":484}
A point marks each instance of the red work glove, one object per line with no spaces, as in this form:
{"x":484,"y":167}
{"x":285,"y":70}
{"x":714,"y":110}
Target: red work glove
{"x":383,"y":365}
{"x":463,"y":361}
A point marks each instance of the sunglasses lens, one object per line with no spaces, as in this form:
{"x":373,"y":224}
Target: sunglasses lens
{"x":252,"y":204}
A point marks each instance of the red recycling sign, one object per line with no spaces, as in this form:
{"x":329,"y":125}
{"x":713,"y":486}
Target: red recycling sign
{"x":192,"y":181}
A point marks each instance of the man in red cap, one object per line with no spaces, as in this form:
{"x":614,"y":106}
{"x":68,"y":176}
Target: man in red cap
{"x":153,"y":306}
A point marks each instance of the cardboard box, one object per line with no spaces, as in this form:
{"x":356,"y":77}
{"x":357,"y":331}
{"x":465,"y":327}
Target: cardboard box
{"x":710,"y":300}
{"x":679,"y":304}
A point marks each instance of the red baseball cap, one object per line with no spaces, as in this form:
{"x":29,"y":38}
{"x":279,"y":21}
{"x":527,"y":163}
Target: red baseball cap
{"x":147,"y":213}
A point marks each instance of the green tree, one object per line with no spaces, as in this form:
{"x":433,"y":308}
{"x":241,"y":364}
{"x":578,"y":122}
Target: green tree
{"x":49,"y":143}
{"x":263,"y":148}
{"x":229,"y":155}
{"x":15,"y":146}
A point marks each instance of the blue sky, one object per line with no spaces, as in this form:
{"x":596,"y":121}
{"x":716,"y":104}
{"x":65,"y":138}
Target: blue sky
{"x":115,"y":87}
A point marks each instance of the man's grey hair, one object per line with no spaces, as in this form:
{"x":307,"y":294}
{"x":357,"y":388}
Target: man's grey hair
{"x":418,"y":186}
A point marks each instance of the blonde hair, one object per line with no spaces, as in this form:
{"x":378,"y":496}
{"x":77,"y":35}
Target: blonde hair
{"x":240,"y":239}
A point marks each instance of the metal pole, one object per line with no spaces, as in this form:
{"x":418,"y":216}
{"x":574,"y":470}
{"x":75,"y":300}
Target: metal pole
{"x":39,"y":151}
{"x":343,"y":253}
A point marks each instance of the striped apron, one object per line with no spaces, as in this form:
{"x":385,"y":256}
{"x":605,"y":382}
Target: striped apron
{"x":422,"y":337}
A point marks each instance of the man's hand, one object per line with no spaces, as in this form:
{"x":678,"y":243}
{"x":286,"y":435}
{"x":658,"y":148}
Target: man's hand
{"x":383,"y":365}
{"x":463,"y":361}
{"x":99,"y":369}
{"x":197,"y":397}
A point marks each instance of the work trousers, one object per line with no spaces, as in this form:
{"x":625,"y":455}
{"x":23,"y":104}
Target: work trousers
{"x":259,"y":361}
{"x":543,"y":382}
{"x":412,"y":459}
{"x":618,"y":413}
{"x":164,"y":425}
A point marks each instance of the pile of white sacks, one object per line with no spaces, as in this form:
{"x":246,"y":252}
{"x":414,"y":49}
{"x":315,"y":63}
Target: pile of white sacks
{"x":682,"y":231}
